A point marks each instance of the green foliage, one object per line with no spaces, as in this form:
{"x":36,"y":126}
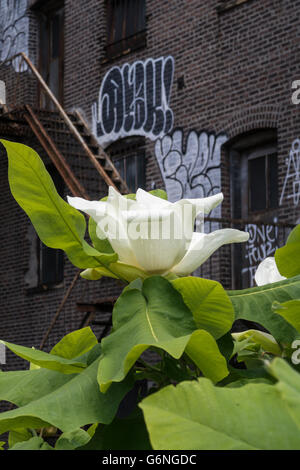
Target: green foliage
{"x":128,"y":433}
{"x":157,"y":315}
{"x":197,"y":415}
{"x":290,"y":311}
{"x":57,"y":223}
{"x":209,"y":303}
{"x":72,"y":440}
{"x":35,"y":443}
{"x":211,"y":389}
{"x":288,"y":257}
{"x":255,"y":304}
{"x":75,"y":344}
{"x":48,"y":361}
{"x":46,"y":398}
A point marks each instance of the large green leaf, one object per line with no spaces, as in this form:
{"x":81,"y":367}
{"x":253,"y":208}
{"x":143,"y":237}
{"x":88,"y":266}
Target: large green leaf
{"x":57,"y":223}
{"x":197,"y":415}
{"x":209,"y":303}
{"x":75,"y":344}
{"x":255,"y":304}
{"x":259,"y":338}
{"x":204,"y":352}
{"x":72,"y":440}
{"x":288,"y":257}
{"x":18,"y":435}
{"x":45,"y":360}
{"x":290,"y":311}
{"x":148,"y":314}
{"x":35,"y":443}
{"x":47,"y":398}
{"x":117,"y":271}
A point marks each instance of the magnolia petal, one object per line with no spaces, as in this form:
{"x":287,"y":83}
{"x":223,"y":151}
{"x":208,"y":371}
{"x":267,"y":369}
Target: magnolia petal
{"x":204,"y":245}
{"x":205,"y":204}
{"x":155,"y":239}
{"x":267,"y":272}
{"x":150,"y":201}
{"x":96,"y":209}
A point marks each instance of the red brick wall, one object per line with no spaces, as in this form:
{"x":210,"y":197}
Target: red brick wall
{"x":238,"y":66}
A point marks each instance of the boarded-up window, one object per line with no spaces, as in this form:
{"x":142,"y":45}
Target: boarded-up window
{"x":126,"y":26}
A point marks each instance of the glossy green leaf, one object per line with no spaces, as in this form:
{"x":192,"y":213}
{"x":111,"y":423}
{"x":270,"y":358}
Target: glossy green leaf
{"x":101,"y":244}
{"x":75,"y":344}
{"x":35,"y":443}
{"x":255,"y":304}
{"x":47,"y":398}
{"x":72,"y":440}
{"x":148,"y":314}
{"x":57,"y":223}
{"x":2,"y":444}
{"x":290,"y":311}
{"x":200,"y":416}
{"x":118,"y":271}
{"x":18,"y":435}
{"x":204,"y":352}
{"x":288,"y":257}
{"x":159,"y":193}
{"x":264,"y":340}
{"x":45,"y":360}
{"x":209,"y":303}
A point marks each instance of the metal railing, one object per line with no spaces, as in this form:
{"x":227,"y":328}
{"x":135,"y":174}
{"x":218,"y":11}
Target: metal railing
{"x":235,"y":264}
{"x":25,"y":63}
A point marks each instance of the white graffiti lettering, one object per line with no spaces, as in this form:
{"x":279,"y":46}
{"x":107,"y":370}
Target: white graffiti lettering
{"x":135,"y":100}
{"x":192,"y":172}
{"x":14,"y":31}
{"x":291,"y":186}
{"x":263,"y":242}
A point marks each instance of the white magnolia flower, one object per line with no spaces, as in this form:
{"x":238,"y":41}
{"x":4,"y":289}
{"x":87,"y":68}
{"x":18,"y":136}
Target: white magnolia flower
{"x":267,"y":272}
{"x":155,"y":235}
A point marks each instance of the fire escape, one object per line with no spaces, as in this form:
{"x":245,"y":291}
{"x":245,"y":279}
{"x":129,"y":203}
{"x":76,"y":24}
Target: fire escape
{"x":65,"y":137}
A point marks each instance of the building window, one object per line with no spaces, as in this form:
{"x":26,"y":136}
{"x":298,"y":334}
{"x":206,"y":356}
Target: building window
{"x":126,"y":26}
{"x":51,"y":49}
{"x":262,"y":184}
{"x":254,"y":191}
{"x":128,"y":156}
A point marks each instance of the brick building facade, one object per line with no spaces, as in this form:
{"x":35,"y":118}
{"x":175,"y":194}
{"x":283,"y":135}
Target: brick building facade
{"x":191,"y":96}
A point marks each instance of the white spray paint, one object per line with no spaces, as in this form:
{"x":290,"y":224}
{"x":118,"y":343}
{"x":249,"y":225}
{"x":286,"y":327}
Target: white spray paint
{"x":14,"y":31}
{"x":263,"y":242}
{"x":2,"y":92}
{"x":291,"y":186}
{"x":193,"y":172}
{"x":134,"y":100}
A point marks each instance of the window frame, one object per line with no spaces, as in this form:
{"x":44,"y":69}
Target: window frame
{"x":126,"y":148}
{"x":127,"y":43}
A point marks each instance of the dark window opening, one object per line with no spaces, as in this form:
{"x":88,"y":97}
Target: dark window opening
{"x":254,"y":198}
{"x":51,"y":57}
{"x":126,"y":26}
{"x":263,"y":187}
{"x":128,"y":156}
{"x":51,"y":261}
